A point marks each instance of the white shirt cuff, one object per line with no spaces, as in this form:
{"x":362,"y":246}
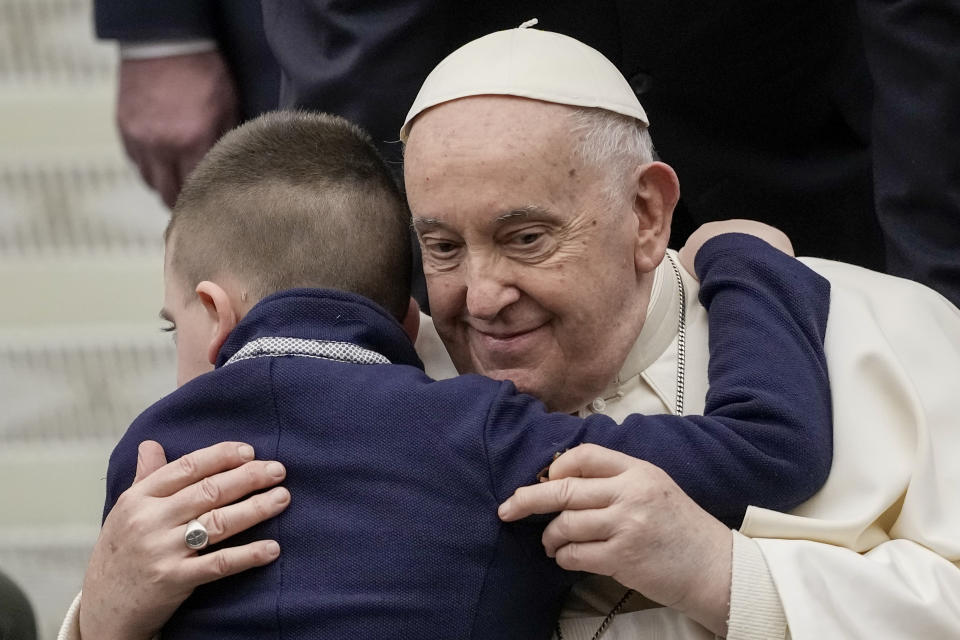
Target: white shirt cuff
{"x":165,"y":48}
{"x":755,"y":609}
{"x":70,"y":629}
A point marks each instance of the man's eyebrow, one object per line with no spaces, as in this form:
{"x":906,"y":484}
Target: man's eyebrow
{"x":533,"y":212}
{"x":432,"y":223}
{"x":529,"y":212}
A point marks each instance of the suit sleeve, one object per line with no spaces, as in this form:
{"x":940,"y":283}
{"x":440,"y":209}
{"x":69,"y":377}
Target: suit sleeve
{"x":911,"y":48}
{"x":145,"y":20}
{"x":766,"y":436}
{"x":364,"y":61}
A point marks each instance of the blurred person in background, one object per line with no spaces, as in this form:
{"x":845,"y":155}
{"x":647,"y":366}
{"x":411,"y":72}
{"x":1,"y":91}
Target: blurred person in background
{"x":16,"y":614}
{"x":190,"y":70}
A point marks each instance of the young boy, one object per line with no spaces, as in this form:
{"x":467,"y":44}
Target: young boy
{"x":287,"y":268}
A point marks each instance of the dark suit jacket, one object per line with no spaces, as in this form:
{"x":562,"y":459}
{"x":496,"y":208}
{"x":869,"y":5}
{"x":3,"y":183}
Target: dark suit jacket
{"x":766,"y":109}
{"x":236,"y":25}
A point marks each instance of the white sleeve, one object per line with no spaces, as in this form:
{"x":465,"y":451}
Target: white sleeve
{"x":899,"y":589}
{"x":70,"y":629}
{"x":130,"y":50}
{"x":876,"y":552}
{"x":755,"y":609}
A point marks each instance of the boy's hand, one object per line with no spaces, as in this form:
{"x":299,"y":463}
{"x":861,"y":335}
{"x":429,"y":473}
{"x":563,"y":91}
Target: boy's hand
{"x":773,"y":236}
{"x":141,"y":569}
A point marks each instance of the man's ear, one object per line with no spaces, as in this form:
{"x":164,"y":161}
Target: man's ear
{"x":657,"y":193}
{"x":411,"y":321}
{"x":222,"y":315}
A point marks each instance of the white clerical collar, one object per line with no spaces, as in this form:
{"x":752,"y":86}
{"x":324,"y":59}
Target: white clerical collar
{"x":659,"y":328}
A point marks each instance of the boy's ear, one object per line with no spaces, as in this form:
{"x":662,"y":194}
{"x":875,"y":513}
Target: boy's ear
{"x":411,"y":321}
{"x":656,"y":195}
{"x":222,"y":315}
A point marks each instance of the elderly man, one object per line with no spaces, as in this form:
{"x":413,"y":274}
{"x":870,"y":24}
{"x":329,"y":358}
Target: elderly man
{"x":544,"y":221}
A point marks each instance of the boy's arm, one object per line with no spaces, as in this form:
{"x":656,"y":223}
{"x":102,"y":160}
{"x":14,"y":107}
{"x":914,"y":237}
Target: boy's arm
{"x":766,"y":438}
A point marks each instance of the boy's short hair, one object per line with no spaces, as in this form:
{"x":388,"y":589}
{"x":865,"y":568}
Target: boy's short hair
{"x":295,"y":199}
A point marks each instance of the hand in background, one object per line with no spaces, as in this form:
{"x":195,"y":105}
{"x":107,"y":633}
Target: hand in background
{"x":170,"y":111}
{"x":625,"y":518}
{"x":773,"y":236}
{"x":141,"y":570}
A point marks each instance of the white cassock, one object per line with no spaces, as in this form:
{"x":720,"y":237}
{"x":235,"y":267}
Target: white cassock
{"x":876,"y":552}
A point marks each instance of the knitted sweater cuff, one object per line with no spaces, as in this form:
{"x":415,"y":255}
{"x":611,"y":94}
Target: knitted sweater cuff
{"x":755,"y":609}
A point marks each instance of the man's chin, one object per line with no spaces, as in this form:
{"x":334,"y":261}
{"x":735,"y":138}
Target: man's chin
{"x":525,"y":375}
{"x":531,"y":383}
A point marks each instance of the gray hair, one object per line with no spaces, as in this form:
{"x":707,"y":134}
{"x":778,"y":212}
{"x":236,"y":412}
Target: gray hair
{"x":612,"y":143}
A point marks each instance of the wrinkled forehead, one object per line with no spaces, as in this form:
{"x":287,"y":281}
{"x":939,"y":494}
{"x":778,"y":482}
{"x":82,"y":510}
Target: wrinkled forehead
{"x":486,"y":160}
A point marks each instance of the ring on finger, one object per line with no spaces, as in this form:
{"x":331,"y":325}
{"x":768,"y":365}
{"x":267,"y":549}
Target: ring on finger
{"x":195,"y":536}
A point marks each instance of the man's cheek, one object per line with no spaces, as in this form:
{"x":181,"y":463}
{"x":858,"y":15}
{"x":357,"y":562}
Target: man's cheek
{"x":448,"y":297}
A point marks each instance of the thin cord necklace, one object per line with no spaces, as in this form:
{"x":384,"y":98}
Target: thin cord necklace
{"x":678,"y":410}
{"x":606,"y":621}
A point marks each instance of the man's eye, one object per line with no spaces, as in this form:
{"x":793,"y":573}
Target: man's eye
{"x":442,"y":249}
{"x":533,"y":243}
{"x":529,"y":238}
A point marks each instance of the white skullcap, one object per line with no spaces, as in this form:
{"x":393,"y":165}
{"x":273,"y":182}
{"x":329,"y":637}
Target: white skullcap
{"x":528,"y":63}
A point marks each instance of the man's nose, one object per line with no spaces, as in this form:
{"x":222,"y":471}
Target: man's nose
{"x":490,"y":289}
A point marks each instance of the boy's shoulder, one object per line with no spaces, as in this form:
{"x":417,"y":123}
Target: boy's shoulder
{"x":224,"y":404}
{"x":224,"y":392}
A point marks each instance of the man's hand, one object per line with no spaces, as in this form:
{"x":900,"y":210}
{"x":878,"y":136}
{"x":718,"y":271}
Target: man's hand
{"x":170,"y":111}
{"x":141,"y":570}
{"x":773,"y":236}
{"x":625,"y":518}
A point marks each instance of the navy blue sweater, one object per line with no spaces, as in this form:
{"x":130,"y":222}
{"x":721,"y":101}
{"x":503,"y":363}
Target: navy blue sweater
{"x":392,"y":531}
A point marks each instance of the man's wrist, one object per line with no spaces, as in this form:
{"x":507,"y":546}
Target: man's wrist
{"x":708,"y":599}
{"x":150,"y":49}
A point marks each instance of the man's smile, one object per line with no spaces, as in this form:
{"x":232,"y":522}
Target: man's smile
{"x":505,"y":344}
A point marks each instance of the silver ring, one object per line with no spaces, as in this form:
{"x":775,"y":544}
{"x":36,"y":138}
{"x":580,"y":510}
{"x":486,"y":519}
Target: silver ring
{"x":195,"y":537}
